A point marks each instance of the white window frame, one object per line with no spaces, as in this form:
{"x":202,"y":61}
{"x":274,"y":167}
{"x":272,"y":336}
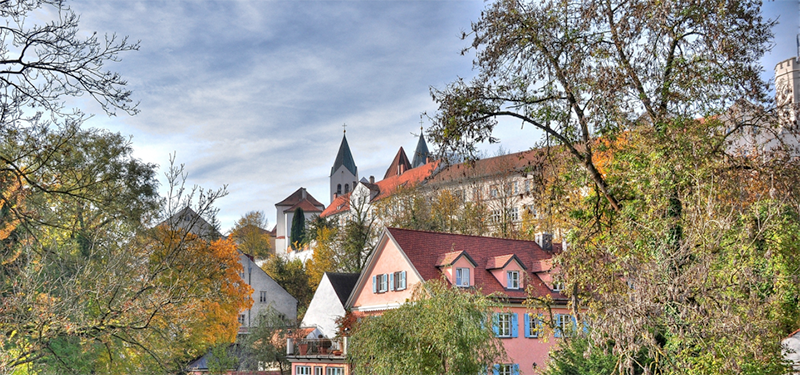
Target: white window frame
{"x":558,"y":286}
{"x":503,"y":325}
{"x":512,"y":282}
{"x":334,"y":371}
{"x":242,"y":319}
{"x":514,"y":214}
{"x":564,"y":323}
{"x":383,"y":283}
{"x":462,"y":281}
{"x":505,"y":369}
{"x":303,"y":370}
{"x":534,"y":325}
{"x":400,"y":280}
{"x":262,"y":297}
{"x":319,"y":370}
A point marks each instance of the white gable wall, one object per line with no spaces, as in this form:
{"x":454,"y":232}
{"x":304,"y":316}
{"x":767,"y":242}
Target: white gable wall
{"x":324,"y":309}
{"x":277,"y":297}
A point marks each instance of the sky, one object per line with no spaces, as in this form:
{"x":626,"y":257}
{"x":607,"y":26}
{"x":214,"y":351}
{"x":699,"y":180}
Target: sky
{"x":252,"y":95}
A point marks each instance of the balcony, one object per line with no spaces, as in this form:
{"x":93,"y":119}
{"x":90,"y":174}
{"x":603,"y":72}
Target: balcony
{"x":325,"y":348}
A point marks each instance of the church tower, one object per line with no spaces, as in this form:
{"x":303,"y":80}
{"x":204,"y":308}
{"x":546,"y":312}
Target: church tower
{"x":344,"y":173}
{"x":421,"y":154}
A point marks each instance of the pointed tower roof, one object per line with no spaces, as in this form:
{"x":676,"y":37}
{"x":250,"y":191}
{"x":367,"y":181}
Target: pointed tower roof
{"x":344,"y":157}
{"x":399,"y":165}
{"x":421,"y":154}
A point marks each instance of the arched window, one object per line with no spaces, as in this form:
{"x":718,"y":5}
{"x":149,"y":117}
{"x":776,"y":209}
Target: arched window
{"x":346,"y":188}
{"x":339,"y":189}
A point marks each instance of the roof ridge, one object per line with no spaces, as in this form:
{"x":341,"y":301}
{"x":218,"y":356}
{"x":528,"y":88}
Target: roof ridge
{"x":462,"y":235}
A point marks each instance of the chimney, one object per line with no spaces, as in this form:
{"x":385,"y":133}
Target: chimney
{"x":371,"y":179}
{"x":304,"y":193}
{"x":289,"y":346}
{"x":545,"y":240}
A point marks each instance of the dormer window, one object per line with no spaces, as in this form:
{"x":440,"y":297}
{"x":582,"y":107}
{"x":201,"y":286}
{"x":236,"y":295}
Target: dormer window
{"x":512,"y":278}
{"x":558,"y":287}
{"x":462,"y":277}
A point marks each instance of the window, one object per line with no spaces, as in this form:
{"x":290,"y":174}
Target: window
{"x":462,"y":277}
{"x":335,"y":371}
{"x":241,"y":319}
{"x":400,"y":280}
{"x":262,"y":297}
{"x":505,"y":324}
{"x":303,"y":370}
{"x":380,"y":283}
{"x":318,"y":370}
{"x":528,"y":184}
{"x":533,"y":326}
{"x":506,"y":369}
{"x":515,"y":188}
{"x":495,"y":216}
{"x":493,"y":191}
{"x":339,"y":189}
{"x":512,"y":279}
{"x":558,"y":287}
{"x":514,"y":214}
{"x":565,"y":323}
{"x":532,"y":211}
{"x":346,"y":188}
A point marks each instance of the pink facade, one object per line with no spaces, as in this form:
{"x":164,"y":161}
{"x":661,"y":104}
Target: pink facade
{"x":487,"y":263}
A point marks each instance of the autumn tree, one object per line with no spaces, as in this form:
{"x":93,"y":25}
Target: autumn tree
{"x":251,"y":235}
{"x":325,"y":257}
{"x":681,"y":247}
{"x":443,"y":330}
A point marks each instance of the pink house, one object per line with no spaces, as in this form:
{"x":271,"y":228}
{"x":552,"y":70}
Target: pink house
{"x":404,"y":258}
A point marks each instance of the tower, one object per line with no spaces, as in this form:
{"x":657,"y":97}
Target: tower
{"x":421,"y":154}
{"x":344,"y":173}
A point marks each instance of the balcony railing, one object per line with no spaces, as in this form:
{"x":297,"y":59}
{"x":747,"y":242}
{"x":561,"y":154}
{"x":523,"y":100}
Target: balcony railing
{"x":315,"y":347}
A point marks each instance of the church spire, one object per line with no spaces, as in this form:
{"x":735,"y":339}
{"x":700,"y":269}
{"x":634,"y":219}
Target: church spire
{"x":421,"y":154}
{"x":344,"y":158}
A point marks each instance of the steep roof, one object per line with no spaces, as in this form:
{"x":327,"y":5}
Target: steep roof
{"x":187,"y":219}
{"x":343,"y":284}
{"x":426,"y":249}
{"x":299,"y":195}
{"x":306,"y":205}
{"x":421,"y":154}
{"x":399,"y":165}
{"x":344,"y":157}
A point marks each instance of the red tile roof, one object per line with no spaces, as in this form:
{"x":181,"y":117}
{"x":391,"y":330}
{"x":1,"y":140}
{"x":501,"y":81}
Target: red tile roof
{"x":306,"y":205}
{"x":448,"y":259}
{"x":340,"y":204}
{"x":384,"y":188}
{"x":501,"y":261}
{"x":426,"y":250}
{"x":519,"y":162}
{"x":299,"y":195}
{"x":399,"y":165}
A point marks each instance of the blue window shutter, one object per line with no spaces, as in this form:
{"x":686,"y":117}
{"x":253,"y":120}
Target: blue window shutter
{"x":496,"y":324}
{"x":391,"y":282}
{"x":514,"y":325}
{"x":515,"y":369}
{"x":496,"y":369}
{"x":527,"y":322}
{"x":374,"y":284}
{"x":556,"y":326}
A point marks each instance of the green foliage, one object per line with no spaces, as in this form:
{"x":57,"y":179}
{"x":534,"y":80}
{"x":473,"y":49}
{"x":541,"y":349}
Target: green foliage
{"x":251,"y":236}
{"x":221,"y":359}
{"x":298,"y":235}
{"x":442,"y":330}
{"x":291,"y":275}
{"x":576,"y":355}
{"x":265,"y":343}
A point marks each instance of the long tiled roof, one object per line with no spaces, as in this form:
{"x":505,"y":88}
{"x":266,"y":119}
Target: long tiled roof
{"x":519,"y":162}
{"x":426,"y":249}
{"x":339,"y":204}
{"x":344,"y":157}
